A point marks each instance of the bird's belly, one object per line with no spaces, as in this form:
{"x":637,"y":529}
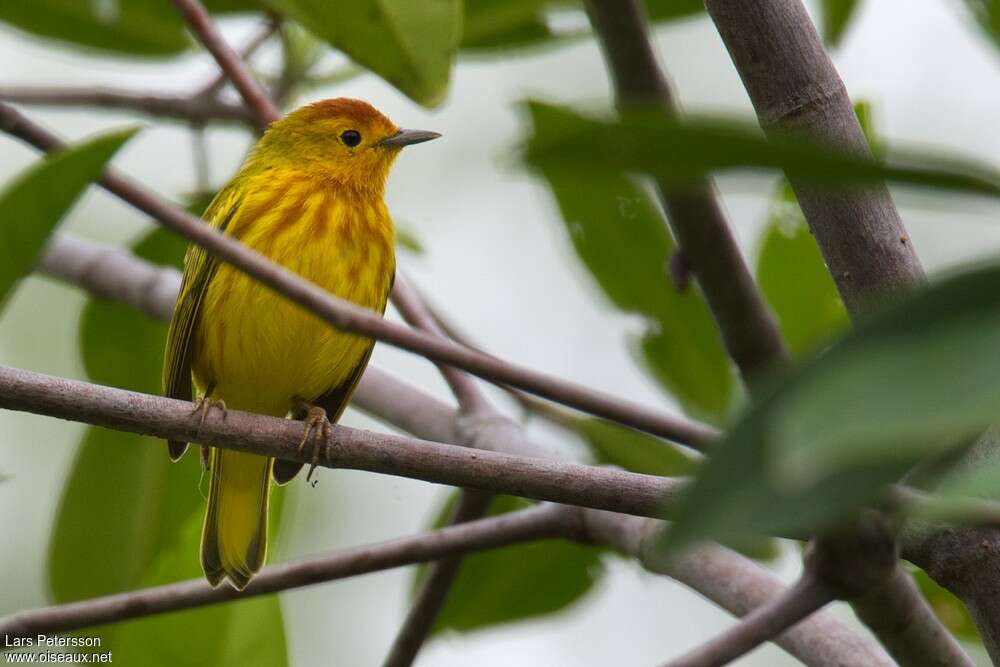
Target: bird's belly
{"x":261,"y":351}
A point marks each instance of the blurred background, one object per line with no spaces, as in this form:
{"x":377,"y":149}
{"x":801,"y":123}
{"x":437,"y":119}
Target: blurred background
{"x":495,"y":256}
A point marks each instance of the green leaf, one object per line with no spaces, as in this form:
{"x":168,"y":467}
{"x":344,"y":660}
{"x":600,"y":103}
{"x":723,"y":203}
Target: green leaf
{"x":405,"y":238}
{"x":680,"y":150}
{"x":620,"y":236}
{"x":34,"y":203}
{"x":129,"y":518}
{"x":133,"y":27}
{"x":632,"y":450}
{"x":517,"y":582}
{"x":987,"y":15}
{"x":948,"y":608}
{"x":669,"y":10}
{"x":915,"y":380}
{"x":409,"y":43}
{"x":501,"y":24}
{"x":136,"y":27}
{"x":795,"y":280}
{"x":837,"y":15}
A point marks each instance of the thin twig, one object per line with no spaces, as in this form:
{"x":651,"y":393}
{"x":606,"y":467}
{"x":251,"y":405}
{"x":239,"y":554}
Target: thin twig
{"x":187,"y":109}
{"x":270,"y":27}
{"x":748,"y":327}
{"x":763,"y":623}
{"x":347,"y":316}
{"x":544,"y":522}
{"x":253,"y":94}
{"x":540,"y":479}
{"x":433,"y":593}
{"x":721,"y":575}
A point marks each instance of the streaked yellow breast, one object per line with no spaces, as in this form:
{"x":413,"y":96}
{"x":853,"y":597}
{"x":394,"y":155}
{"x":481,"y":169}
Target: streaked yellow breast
{"x":261,"y":350}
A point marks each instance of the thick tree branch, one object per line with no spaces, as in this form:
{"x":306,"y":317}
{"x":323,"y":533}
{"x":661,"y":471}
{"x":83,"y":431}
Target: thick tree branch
{"x":543,"y":522}
{"x":794,"y":86}
{"x":253,"y":94}
{"x":728,"y":579}
{"x":763,"y":623}
{"x":349,"y":317}
{"x":748,"y":327}
{"x":194,"y":110}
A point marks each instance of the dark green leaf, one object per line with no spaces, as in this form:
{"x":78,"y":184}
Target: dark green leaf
{"x":409,"y":43}
{"x":34,"y":203}
{"x":669,"y":10}
{"x":795,"y":280}
{"x":681,"y":150}
{"x":517,"y":582}
{"x":620,"y":236}
{"x":498,"y":24}
{"x":129,"y":518}
{"x":913,"y":381}
{"x":987,"y":15}
{"x":837,"y":15}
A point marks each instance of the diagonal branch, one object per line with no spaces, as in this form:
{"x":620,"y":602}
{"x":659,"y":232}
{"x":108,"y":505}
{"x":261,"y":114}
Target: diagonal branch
{"x":765,"y":622}
{"x":723,"y":576}
{"x":195,"y":110}
{"x":217,"y":82}
{"x":253,"y":94}
{"x":536,"y":523}
{"x":748,"y":327}
{"x":349,"y":317}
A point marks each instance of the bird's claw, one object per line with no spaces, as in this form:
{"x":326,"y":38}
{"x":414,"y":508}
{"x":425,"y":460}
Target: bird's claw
{"x":319,"y":431}
{"x":204,"y":405}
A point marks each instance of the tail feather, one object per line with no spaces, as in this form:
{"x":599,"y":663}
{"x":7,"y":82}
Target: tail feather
{"x":234,"y":539}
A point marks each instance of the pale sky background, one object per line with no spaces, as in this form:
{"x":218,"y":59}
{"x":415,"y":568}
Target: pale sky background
{"x":499,"y":264}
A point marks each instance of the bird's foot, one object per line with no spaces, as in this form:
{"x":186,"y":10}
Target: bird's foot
{"x":318,"y":436}
{"x":204,"y":405}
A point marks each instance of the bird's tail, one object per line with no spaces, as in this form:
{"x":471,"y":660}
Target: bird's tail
{"x":234,"y":539}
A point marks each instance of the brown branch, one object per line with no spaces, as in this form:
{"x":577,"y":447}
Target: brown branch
{"x":192,"y":110}
{"x":748,"y":327}
{"x":229,"y":61}
{"x":540,"y":479}
{"x":728,"y":579}
{"x":543,"y":522}
{"x":763,"y":623}
{"x":433,"y":593}
{"x":217,"y":82}
{"x":794,"y":86}
{"x":349,"y":317}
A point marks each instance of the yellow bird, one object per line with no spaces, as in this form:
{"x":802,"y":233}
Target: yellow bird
{"x":309,"y":197}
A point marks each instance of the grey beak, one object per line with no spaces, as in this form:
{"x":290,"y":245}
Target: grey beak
{"x":408,"y":137}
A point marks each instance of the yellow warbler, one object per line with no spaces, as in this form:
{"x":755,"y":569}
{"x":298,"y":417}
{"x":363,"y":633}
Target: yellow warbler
{"x":310,"y":197}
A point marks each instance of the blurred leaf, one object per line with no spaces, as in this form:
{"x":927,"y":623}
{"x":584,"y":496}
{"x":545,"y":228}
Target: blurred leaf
{"x":517,"y":582}
{"x":914,"y":380}
{"x":136,"y":27}
{"x":409,"y":43}
{"x":948,"y":608}
{"x":638,"y":452}
{"x":668,"y":10}
{"x":129,"y":518}
{"x":837,"y":15}
{"x":497,"y":24}
{"x":795,"y":280}
{"x":681,"y":150}
{"x":33,"y":204}
{"x":133,"y":27}
{"x":987,"y":15}
{"x":620,"y":236}
{"x":405,"y":238}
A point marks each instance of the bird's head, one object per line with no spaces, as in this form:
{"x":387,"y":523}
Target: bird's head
{"x":345,"y":140}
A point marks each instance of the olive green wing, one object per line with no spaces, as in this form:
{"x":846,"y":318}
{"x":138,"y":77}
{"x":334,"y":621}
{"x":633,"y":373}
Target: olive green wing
{"x":199,"y":267}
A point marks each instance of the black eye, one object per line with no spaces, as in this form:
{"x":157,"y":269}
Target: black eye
{"x":350,"y":138}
